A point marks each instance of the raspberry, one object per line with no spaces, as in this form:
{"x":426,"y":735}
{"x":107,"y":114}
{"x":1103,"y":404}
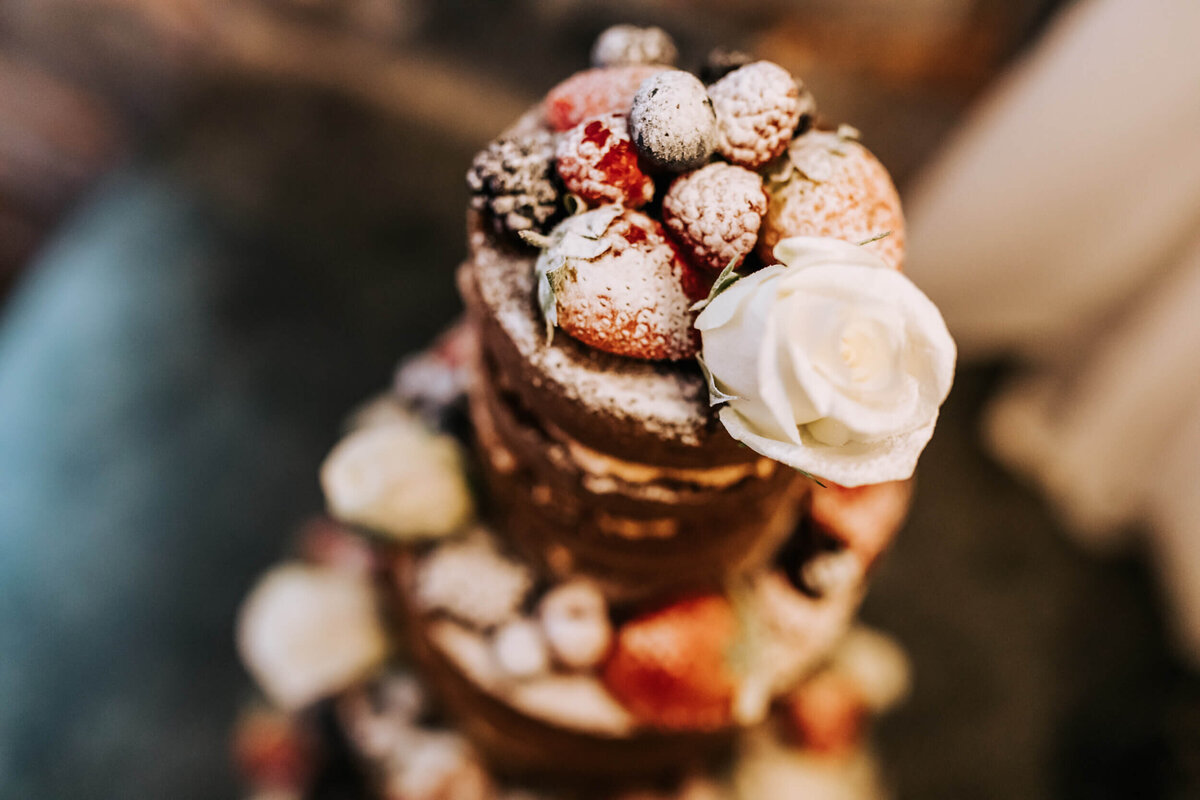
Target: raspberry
{"x":594,"y":92}
{"x":758,"y":109}
{"x":715,"y":213}
{"x":672,"y":122}
{"x":612,"y":280}
{"x":622,"y":45}
{"x":513,"y":178}
{"x":835,"y":188}
{"x":597,"y":161}
{"x":669,"y":668}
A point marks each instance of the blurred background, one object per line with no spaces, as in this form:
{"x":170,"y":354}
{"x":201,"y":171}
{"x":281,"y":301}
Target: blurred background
{"x":221,"y":224}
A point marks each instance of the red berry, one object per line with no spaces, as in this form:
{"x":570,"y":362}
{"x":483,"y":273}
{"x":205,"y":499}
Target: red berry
{"x":669,"y":667}
{"x":864,"y":518}
{"x":597,"y":162}
{"x":631,"y":297}
{"x":594,"y":92}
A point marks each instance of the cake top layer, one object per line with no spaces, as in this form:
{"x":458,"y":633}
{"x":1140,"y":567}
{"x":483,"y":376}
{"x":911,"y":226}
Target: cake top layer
{"x":664,"y":400}
{"x":675,"y":220}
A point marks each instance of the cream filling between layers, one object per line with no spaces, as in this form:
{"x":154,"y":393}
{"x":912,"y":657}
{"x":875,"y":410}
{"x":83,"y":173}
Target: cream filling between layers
{"x":600,"y":466}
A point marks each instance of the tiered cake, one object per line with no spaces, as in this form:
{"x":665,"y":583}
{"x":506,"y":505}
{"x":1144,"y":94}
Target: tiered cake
{"x":695,"y":387}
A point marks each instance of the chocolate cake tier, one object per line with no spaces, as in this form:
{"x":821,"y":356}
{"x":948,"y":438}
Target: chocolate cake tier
{"x":515,"y":743}
{"x":645,"y":411}
{"x":637,"y":528}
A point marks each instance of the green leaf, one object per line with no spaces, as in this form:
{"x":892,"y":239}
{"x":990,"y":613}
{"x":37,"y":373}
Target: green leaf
{"x":875,"y":238}
{"x":726,"y":279}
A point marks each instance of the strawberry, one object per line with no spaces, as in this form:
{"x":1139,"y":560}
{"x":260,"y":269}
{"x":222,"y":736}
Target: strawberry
{"x":830,"y":185}
{"x":593,"y":92}
{"x":610,"y":278}
{"x":670,"y":667}
{"x":864,"y":518}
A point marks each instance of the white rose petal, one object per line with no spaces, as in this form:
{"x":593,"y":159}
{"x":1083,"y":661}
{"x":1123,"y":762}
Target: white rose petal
{"x":831,"y":362}
{"x":398,"y":478}
{"x":308,"y":632}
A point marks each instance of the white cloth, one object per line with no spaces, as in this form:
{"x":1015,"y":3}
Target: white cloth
{"x":1062,"y":225}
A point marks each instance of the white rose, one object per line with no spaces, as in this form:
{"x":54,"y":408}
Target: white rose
{"x":308,"y":632}
{"x":829,"y":362}
{"x":398,"y":478}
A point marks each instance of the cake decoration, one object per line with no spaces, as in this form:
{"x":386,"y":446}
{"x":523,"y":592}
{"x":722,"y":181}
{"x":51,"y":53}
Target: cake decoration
{"x":829,"y":184}
{"x":513,"y":179}
{"x":574,"y":617}
{"x":670,"y":666}
{"x":306,"y":632}
{"x":471,"y":580}
{"x":601,"y":90}
{"x":714,"y":214}
{"x":611,"y":279}
{"x":597,"y":163}
{"x":672,"y":122}
{"x":832,"y":362}
{"x":398,"y":479}
{"x":758,"y":108}
{"x":622,"y":45}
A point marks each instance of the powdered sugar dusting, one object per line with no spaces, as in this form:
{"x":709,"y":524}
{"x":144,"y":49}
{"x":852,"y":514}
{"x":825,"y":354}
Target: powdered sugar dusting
{"x":835,"y":187}
{"x":672,"y":120}
{"x":630,"y":299}
{"x":667,"y":400}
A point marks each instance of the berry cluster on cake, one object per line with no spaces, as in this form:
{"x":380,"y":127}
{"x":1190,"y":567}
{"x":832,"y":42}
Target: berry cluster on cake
{"x":607,"y":537}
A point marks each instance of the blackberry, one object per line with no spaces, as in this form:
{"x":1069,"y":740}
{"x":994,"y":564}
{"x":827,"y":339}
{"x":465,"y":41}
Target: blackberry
{"x":513,"y":179}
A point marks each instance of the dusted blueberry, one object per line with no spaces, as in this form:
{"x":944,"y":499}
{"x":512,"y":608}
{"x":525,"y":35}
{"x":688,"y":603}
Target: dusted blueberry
{"x":672,"y":121}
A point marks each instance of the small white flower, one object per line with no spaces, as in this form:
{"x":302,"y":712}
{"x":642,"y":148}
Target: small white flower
{"x":308,"y":632}
{"x":398,"y":478}
{"x":829,"y":362}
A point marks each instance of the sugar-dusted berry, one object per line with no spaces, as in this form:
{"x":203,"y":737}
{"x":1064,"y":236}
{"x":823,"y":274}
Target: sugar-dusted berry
{"x":513,"y":179}
{"x":758,"y":108}
{"x":833,"y":186}
{"x":672,"y":122}
{"x":669,"y":667}
{"x":622,"y":45}
{"x":597,"y":161}
{"x":714,"y":214}
{"x":593,"y":92}
{"x":610,"y":278}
